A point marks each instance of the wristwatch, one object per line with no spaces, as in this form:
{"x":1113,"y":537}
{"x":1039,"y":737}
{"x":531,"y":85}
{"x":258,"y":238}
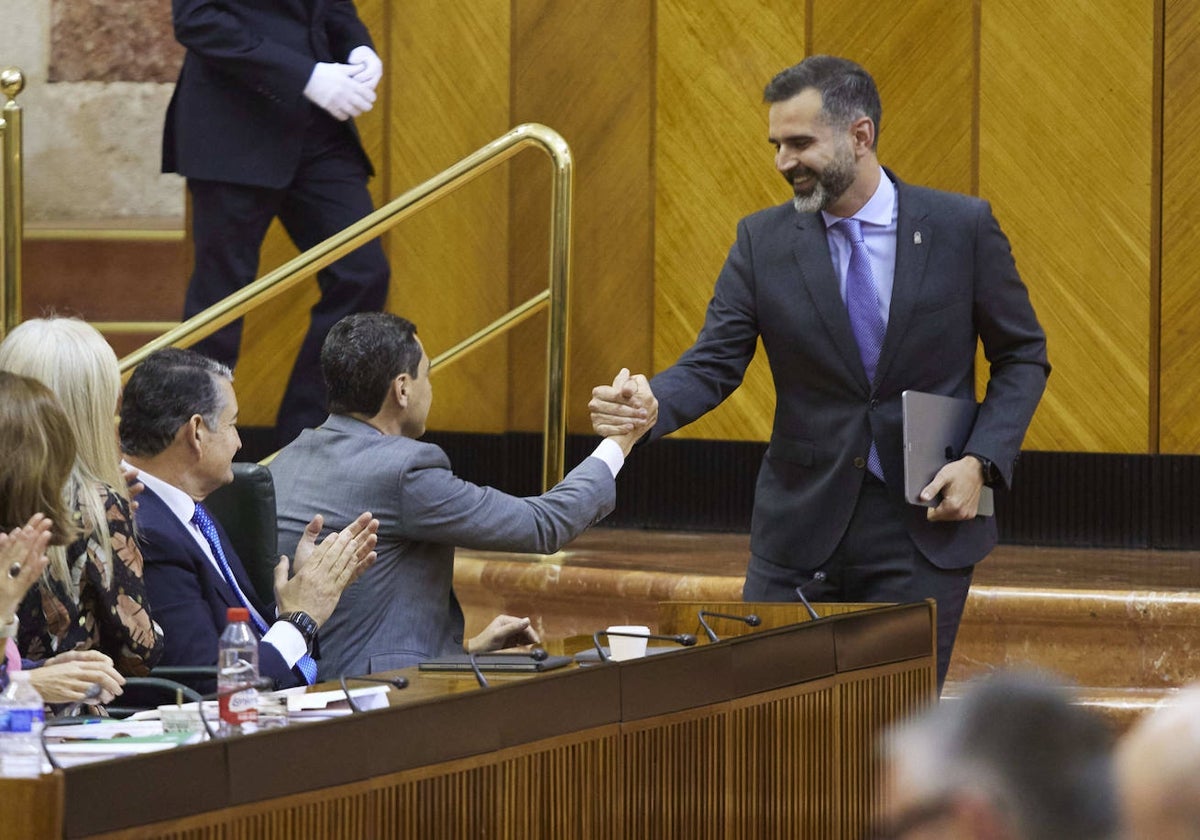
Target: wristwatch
{"x":305,"y":623}
{"x":991,"y":475}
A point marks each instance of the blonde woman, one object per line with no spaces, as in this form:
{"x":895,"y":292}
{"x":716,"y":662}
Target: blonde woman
{"x":93,"y":596}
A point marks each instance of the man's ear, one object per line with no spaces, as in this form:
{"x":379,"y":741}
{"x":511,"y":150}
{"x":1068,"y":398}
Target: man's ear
{"x":191,"y":434}
{"x":862,"y":132}
{"x":400,"y":389}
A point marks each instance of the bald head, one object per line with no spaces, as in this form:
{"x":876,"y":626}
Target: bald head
{"x":1158,"y":771}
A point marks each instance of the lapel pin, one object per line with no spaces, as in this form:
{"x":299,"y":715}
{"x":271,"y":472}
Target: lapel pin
{"x":917,"y":237}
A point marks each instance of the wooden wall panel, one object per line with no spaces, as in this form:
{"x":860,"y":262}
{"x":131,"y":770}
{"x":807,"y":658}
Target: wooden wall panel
{"x":1180,"y":333}
{"x":713,"y":165}
{"x":588,"y":75}
{"x":1066,"y":158}
{"x":922,"y":56}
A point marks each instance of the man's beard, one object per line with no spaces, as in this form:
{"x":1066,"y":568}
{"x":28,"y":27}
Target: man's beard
{"x":831,"y":182}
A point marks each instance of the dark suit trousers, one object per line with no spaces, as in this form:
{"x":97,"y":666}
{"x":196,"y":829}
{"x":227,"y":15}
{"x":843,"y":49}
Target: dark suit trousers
{"x":229,"y":224}
{"x":875,"y":560}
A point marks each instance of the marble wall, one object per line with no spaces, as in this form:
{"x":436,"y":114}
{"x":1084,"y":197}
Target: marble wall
{"x":99,"y":74}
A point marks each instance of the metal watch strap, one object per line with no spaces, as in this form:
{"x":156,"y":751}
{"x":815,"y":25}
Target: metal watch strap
{"x":303,"y":622}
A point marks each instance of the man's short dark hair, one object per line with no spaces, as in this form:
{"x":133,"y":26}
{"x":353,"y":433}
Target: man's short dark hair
{"x":847,"y":90}
{"x":164,"y":392}
{"x":1017,"y":740}
{"x":362,"y":355}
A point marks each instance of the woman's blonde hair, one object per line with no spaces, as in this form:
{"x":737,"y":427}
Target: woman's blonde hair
{"x":71,"y":358}
{"x":38,"y":450}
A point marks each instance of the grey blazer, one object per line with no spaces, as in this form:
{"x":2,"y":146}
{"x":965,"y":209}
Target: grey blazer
{"x":955,"y":283}
{"x":403,"y":609}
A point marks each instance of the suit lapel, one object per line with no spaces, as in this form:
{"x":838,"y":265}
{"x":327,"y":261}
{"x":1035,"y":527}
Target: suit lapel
{"x":177,"y":534}
{"x":811,"y":250}
{"x":914,"y":237}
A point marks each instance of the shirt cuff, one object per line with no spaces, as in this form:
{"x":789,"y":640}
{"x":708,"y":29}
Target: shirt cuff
{"x":9,"y":630}
{"x":609,"y":451}
{"x":286,"y":638}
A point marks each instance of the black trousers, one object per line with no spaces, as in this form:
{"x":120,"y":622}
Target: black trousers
{"x":229,"y":224}
{"x":876,"y":561}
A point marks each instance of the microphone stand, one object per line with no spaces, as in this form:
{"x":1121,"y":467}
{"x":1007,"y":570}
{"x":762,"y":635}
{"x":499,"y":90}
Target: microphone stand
{"x":395,"y":682}
{"x":818,"y":576}
{"x":685,"y":639}
{"x":751,"y":620}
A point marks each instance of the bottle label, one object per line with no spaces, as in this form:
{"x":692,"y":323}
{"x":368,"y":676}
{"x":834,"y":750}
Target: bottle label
{"x":239,"y":708}
{"x":21,"y":720}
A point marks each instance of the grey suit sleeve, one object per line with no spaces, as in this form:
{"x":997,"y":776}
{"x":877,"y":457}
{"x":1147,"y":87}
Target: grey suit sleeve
{"x":437,"y":506}
{"x":1015,"y":347}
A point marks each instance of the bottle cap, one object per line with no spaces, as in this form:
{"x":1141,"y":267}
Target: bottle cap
{"x":237,"y":614}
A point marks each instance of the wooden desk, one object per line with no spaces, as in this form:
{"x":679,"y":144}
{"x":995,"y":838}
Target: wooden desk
{"x":767,"y":735}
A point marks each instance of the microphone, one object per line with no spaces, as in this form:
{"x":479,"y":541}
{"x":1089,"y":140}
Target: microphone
{"x":751,"y":620}
{"x":818,"y":576}
{"x":685,"y":639}
{"x":479,"y":677}
{"x":395,"y":682}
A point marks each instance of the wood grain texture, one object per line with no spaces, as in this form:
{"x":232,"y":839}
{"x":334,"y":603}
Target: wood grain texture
{"x":713,"y":165}
{"x":589,"y":77}
{"x":1066,"y":157}
{"x":1180,"y":332}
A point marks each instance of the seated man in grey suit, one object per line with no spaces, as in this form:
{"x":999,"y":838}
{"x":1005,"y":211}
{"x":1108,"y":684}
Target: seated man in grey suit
{"x":403,"y":610}
{"x":178,"y":427}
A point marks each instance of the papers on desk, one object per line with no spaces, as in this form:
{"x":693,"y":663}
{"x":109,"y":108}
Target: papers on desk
{"x":85,"y":743}
{"x":315,"y":705}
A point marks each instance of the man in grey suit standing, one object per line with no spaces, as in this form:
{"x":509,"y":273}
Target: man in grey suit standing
{"x":860,"y":287}
{"x":403,"y":610}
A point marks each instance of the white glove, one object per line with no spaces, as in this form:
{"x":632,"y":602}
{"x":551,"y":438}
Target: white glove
{"x":333,"y":87}
{"x":371,"y":70}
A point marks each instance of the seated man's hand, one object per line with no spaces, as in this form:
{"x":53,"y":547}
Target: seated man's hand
{"x":625,"y":410}
{"x":324,"y":569}
{"x":68,"y":677}
{"x":960,"y":484}
{"x":505,"y":631}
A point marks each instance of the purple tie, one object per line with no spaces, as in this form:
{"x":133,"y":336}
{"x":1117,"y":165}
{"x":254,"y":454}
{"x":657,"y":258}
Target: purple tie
{"x":862,"y":304}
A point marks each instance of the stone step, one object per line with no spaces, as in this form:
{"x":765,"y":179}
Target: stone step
{"x":1099,"y":638}
{"x":118,"y":270}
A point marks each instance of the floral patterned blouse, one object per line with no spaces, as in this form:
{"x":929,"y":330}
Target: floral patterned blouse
{"x":111,"y":615}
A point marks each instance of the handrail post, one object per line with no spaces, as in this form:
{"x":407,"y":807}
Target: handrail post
{"x":554,"y":442}
{"x":12,"y":203}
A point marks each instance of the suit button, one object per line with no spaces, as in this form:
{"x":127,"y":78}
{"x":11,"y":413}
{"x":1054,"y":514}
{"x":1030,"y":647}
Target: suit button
{"x":859,"y":463}
{"x":874,"y":404}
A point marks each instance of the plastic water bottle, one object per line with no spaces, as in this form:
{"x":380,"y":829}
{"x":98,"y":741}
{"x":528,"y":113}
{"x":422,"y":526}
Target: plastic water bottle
{"x":22,"y":717}
{"x":237,"y":674}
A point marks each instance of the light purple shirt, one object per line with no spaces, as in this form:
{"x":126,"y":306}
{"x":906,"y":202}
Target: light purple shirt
{"x":878,"y":219}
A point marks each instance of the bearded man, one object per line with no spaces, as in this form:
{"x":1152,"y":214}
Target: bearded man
{"x":860,"y":287}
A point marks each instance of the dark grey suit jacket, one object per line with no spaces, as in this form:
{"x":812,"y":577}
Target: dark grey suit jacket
{"x":955,"y":282}
{"x":403,"y":609}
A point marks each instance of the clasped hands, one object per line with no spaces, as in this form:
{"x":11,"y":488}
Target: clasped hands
{"x":346,"y":90}
{"x":326,"y":568}
{"x":625,"y":410}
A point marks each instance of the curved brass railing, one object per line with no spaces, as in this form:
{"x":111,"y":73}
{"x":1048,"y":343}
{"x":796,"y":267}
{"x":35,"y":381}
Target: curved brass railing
{"x":12,"y":205}
{"x":369,"y":227}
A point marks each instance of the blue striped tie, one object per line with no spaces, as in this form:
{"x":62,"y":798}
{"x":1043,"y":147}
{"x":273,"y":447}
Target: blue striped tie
{"x":203,"y":521}
{"x":866,"y":320}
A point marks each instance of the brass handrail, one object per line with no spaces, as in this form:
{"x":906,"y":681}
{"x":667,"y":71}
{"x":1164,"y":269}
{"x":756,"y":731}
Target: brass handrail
{"x":373,"y":225}
{"x":12,"y":204}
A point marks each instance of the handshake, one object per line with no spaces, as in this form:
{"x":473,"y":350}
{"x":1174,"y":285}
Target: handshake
{"x":346,"y":90}
{"x":625,"y":410}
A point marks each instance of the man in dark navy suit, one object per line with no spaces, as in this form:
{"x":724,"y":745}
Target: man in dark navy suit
{"x":178,"y":428}
{"x":260,"y":125}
